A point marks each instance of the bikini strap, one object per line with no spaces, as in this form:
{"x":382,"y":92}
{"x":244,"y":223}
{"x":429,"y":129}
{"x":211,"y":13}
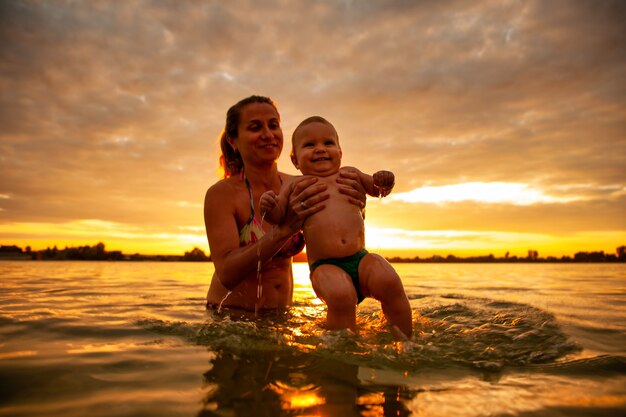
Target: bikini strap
{"x":251,"y":218}
{"x":245,"y":177}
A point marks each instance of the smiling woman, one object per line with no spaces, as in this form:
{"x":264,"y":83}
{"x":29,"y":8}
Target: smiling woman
{"x":253,"y":259}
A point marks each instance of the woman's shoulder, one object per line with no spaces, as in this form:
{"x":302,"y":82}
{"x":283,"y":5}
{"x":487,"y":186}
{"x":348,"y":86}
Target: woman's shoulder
{"x":225,"y":188}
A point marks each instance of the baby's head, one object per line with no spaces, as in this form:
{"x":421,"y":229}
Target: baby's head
{"x":315,"y":147}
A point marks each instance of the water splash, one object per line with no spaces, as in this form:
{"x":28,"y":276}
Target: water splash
{"x":219,"y":307}
{"x":475,"y":333}
{"x":489,"y":334}
{"x":259,"y":288}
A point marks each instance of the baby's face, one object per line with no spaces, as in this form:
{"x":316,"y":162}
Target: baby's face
{"x":316,"y":150}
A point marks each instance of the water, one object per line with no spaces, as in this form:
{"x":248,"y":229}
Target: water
{"x":133,"y":339}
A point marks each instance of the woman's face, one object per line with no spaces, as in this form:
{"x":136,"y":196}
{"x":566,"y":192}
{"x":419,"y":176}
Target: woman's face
{"x":260,"y":136}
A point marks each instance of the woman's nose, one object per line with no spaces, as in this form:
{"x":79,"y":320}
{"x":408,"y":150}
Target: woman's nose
{"x":265,"y":133}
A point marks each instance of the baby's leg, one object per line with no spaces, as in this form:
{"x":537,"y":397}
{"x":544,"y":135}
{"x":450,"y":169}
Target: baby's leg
{"x":379,"y":280}
{"x":334,"y":287}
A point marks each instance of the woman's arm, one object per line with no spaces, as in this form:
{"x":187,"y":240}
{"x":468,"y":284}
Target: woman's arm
{"x":233,"y":263}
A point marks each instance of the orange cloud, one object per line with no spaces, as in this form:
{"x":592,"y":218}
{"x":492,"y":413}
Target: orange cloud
{"x":111,"y":112}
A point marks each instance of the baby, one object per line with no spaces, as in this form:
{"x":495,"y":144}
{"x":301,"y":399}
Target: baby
{"x":343,"y":273}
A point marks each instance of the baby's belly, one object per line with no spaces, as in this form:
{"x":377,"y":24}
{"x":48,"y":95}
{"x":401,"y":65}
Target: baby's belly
{"x":333,"y":237}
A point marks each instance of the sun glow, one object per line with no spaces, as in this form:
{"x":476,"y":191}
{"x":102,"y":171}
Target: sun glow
{"x":388,"y":241}
{"x":429,"y":240}
{"x":116,"y":236}
{"x":297,"y":398}
{"x":402,"y":242}
{"x":483,"y":192}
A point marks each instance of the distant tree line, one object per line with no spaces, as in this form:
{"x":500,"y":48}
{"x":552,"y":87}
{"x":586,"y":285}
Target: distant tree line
{"x":533,"y":256}
{"x":96,"y":252}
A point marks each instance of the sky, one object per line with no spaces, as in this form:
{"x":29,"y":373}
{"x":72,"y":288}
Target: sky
{"x":504,"y":121}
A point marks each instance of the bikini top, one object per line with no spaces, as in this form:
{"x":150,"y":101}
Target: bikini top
{"x":252,"y":231}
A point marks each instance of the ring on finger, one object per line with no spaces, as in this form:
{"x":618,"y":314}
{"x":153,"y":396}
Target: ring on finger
{"x":303,"y":204}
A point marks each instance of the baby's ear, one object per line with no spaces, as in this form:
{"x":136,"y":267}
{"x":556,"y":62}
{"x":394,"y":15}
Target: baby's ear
{"x":294,"y":160}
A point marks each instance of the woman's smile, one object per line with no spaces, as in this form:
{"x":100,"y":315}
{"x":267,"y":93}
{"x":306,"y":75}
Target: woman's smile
{"x":269,"y":145}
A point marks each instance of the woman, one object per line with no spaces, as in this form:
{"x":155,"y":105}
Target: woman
{"x":239,"y":241}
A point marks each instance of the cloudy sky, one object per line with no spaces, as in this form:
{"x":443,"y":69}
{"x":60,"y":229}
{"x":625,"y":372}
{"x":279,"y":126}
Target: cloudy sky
{"x":504,"y":121}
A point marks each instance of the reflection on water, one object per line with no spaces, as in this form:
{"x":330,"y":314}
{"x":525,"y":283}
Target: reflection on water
{"x":281,"y":383}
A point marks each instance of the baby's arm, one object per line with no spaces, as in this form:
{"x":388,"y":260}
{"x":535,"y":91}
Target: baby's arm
{"x":270,"y":207}
{"x":378,"y":185}
{"x":275,"y":205}
{"x":383,"y":183}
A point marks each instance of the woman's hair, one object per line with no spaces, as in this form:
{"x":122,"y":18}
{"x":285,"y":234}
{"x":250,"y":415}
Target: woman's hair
{"x":230,"y":160}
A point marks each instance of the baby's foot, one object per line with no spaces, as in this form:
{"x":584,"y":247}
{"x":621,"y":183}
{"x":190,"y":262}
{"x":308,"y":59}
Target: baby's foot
{"x":398,"y":335}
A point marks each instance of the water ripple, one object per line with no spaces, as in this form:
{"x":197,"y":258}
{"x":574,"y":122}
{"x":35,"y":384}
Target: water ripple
{"x":478,"y":333}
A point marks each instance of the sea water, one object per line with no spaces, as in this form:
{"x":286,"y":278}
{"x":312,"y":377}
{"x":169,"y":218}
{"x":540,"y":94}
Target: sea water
{"x":134,"y":339}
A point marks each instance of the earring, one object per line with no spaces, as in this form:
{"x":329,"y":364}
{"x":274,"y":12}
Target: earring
{"x":232,"y":146}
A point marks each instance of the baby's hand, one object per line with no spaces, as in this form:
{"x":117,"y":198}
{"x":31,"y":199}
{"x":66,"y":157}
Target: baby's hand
{"x":268,"y":201}
{"x":384,"y":182}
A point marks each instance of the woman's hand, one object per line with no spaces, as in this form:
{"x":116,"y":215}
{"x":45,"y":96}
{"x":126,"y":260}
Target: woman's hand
{"x":351,"y":186}
{"x":306,"y":197}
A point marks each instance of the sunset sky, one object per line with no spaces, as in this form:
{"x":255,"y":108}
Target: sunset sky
{"x":504,"y":121}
